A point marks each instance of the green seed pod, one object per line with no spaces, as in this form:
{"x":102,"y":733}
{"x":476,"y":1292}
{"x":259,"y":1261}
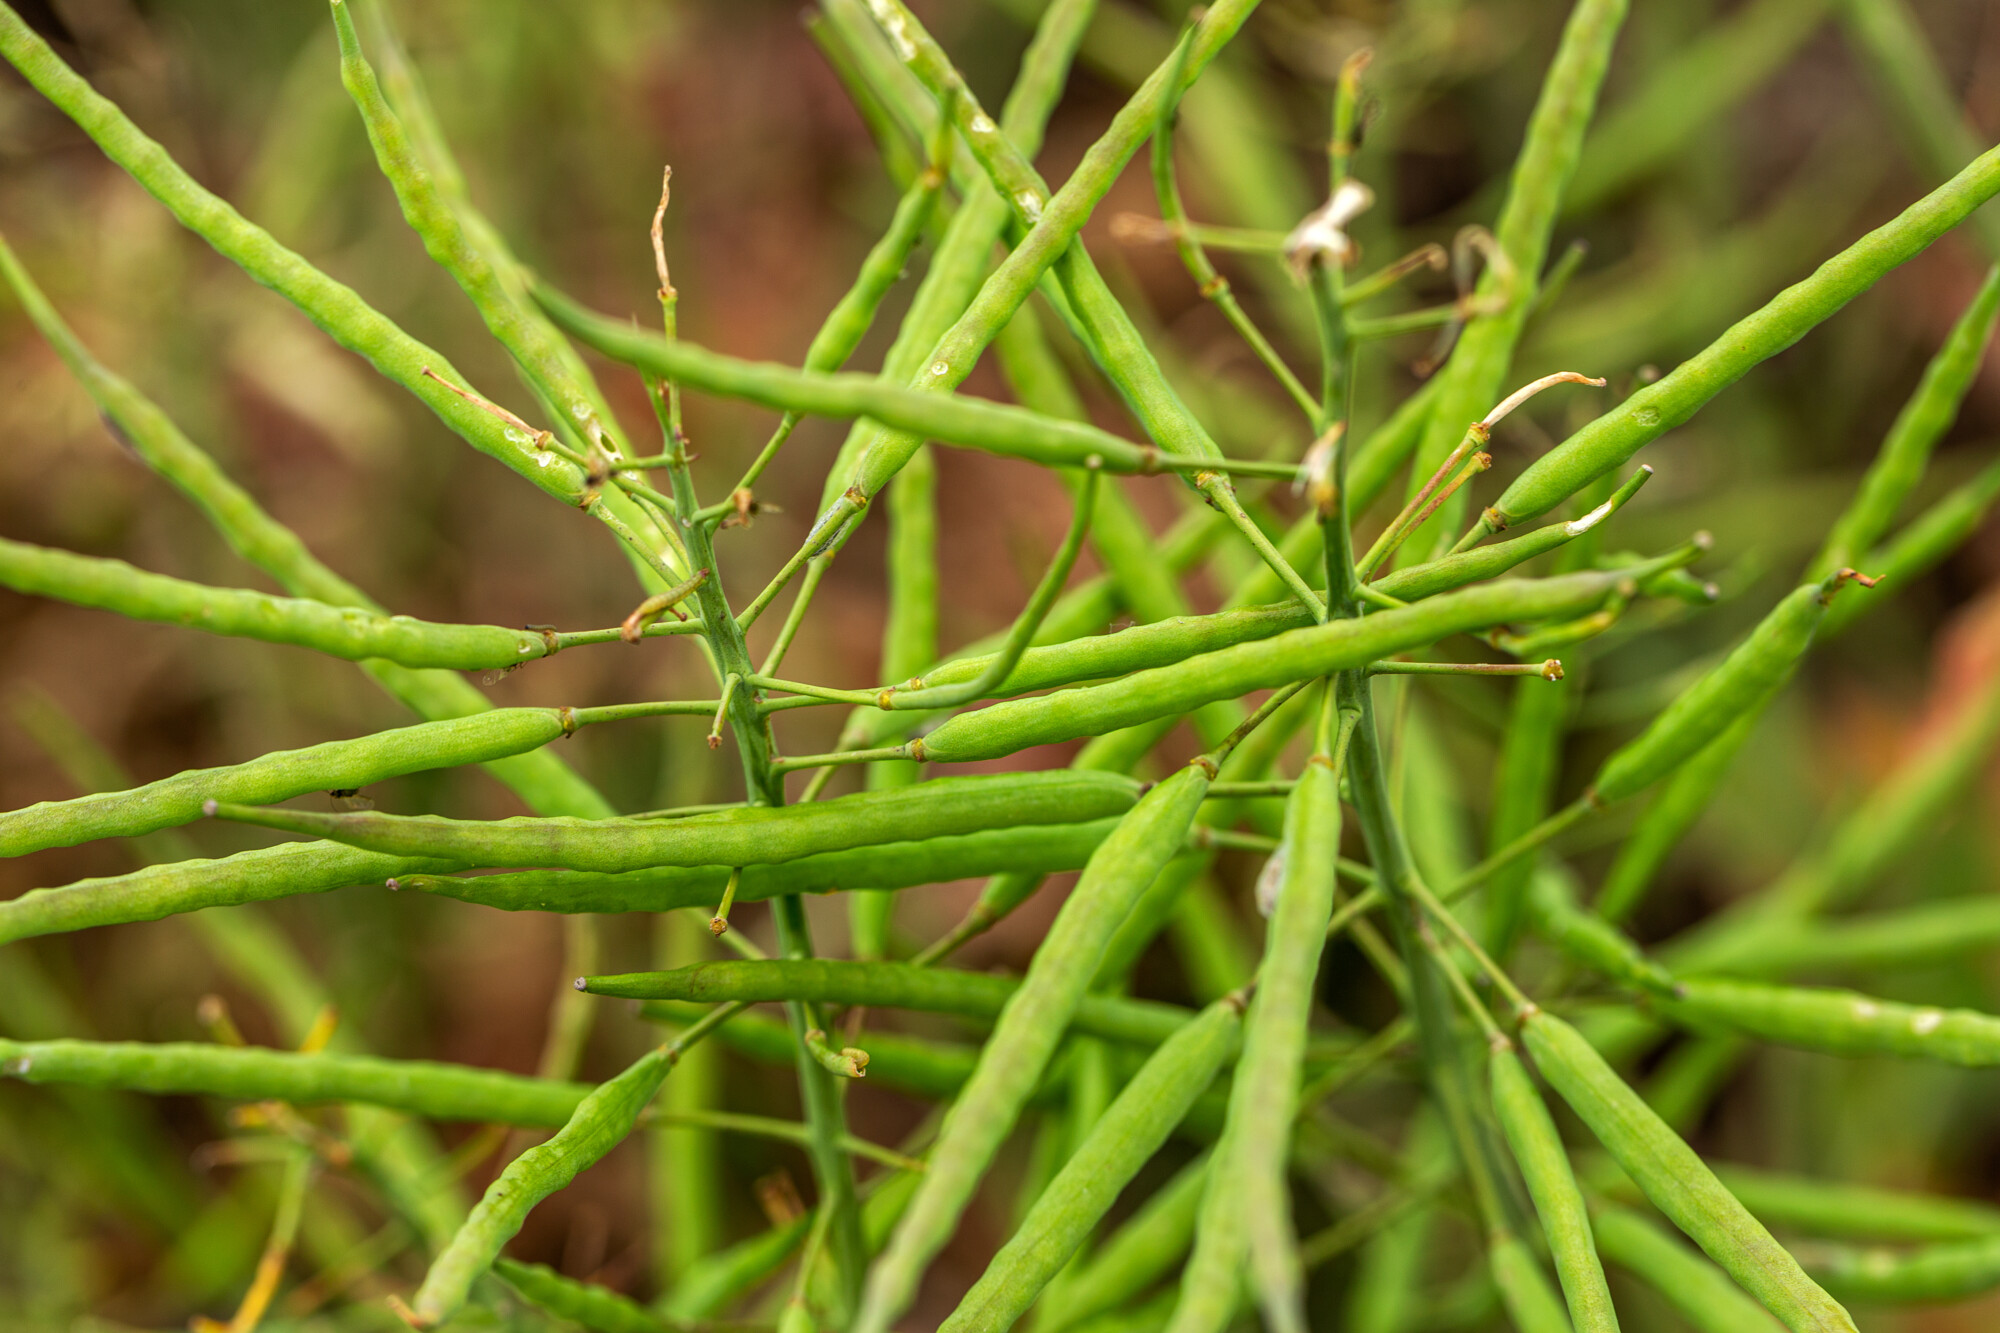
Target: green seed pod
{"x":1132,"y":1258}
{"x":188,"y":886}
{"x":1899,"y":464}
{"x":427,"y":1088}
{"x":599,"y":1123}
{"x":1648,"y":414}
{"x":338,"y":631}
{"x":1589,"y":938}
{"x":1538,"y":1150}
{"x":1025,"y":1038}
{"x":753,"y":835}
{"x":1031,"y":850}
{"x":1123,"y":1140}
{"x":281,"y":775}
{"x":1842,"y":1021}
{"x":1676,"y":1180}
{"x":1702,"y":1293}
{"x":1863,"y":1212}
{"x":1705,"y":709}
{"x":883,"y":985}
{"x":1485,"y":562}
{"x":1924,"y":542}
{"x":1947,"y":1272}
{"x":1531,"y":1300}
{"x":598,"y":1309}
{"x":1230,"y":673}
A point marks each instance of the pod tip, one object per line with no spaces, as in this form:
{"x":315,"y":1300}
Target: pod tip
{"x":210,"y":806}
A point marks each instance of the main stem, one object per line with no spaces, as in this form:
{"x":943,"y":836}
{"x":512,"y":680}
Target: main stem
{"x":1446,"y":1069}
{"x":765,"y":785}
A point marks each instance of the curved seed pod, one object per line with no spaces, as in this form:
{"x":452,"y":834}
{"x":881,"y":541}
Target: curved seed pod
{"x":1123,"y":1140}
{"x":1025,"y":1038}
{"x":1485,"y":562}
{"x":281,"y":775}
{"x":188,"y":886}
{"x":338,"y":631}
{"x":1538,"y":1150}
{"x":1705,"y":709}
{"x":884,"y":985}
{"x":1948,"y":1272}
{"x":1702,"y":1293}
{"x":1899,"y":464}
{"x":428,"y":1088}
{"x":1843,"y":1021}
{"x":1676,"y":1180}
{"x":1614,"y":437}
{"x":1589,"y":938}
{"x":600,"y":1122}
{"x":1027,"y":849}
{"x":753,"y":835}
{"x":1232,"y":672}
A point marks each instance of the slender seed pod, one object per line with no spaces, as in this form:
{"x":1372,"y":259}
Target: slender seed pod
{"x":545,"y":782}
{"x":1675,"y":1179}
{"x":1659,"y":407}
{"x":281,"y":775}
{"x":996,"y":428}
{"x":597,"y":1308}
{"x":1544,"y":1163}
{"x":1531,"y":1300}
{"x":1266,"y":1092}
{"x":1132,"y":1258}
{"x":1589,"y":938}
{"x":174,"y":887}
{"x":883,"y":985}
{"x":1929,"y":412}
{"x":1124,"y":1138}
{"x":1947,"y":1272}
{"x":1550,"y":147}
{"x":1030,"y":850}
{"x":600,"y":1122}
{"x":1925,"y":541}
{"x":338,"y":631}
{"x":1661,"y":826}
{"x":753,"y":835}
{"x":1700,"y":1291}
{"x":1841,"y":1021}
{"x":1861,"y":1212}
{"x":1229,"y":673}
{"x":491,"y":281}
{"x":1701,"y":713}
{"x":1897,"y":57}
{"x":426,"y":1088}
{"x":336,"y":308}
{"x":1921,"y":934}
{"x":1484,"y":562}
{"x":1025,"y":1038}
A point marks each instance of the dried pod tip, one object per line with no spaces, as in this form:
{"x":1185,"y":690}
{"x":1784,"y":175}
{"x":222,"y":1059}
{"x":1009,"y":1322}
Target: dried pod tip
{"x":582,"y":983}
{"x":1529,"y":390}
{"x":718,"y":925}
{"x":1552,"y":670}
{"x":210,"y":806}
